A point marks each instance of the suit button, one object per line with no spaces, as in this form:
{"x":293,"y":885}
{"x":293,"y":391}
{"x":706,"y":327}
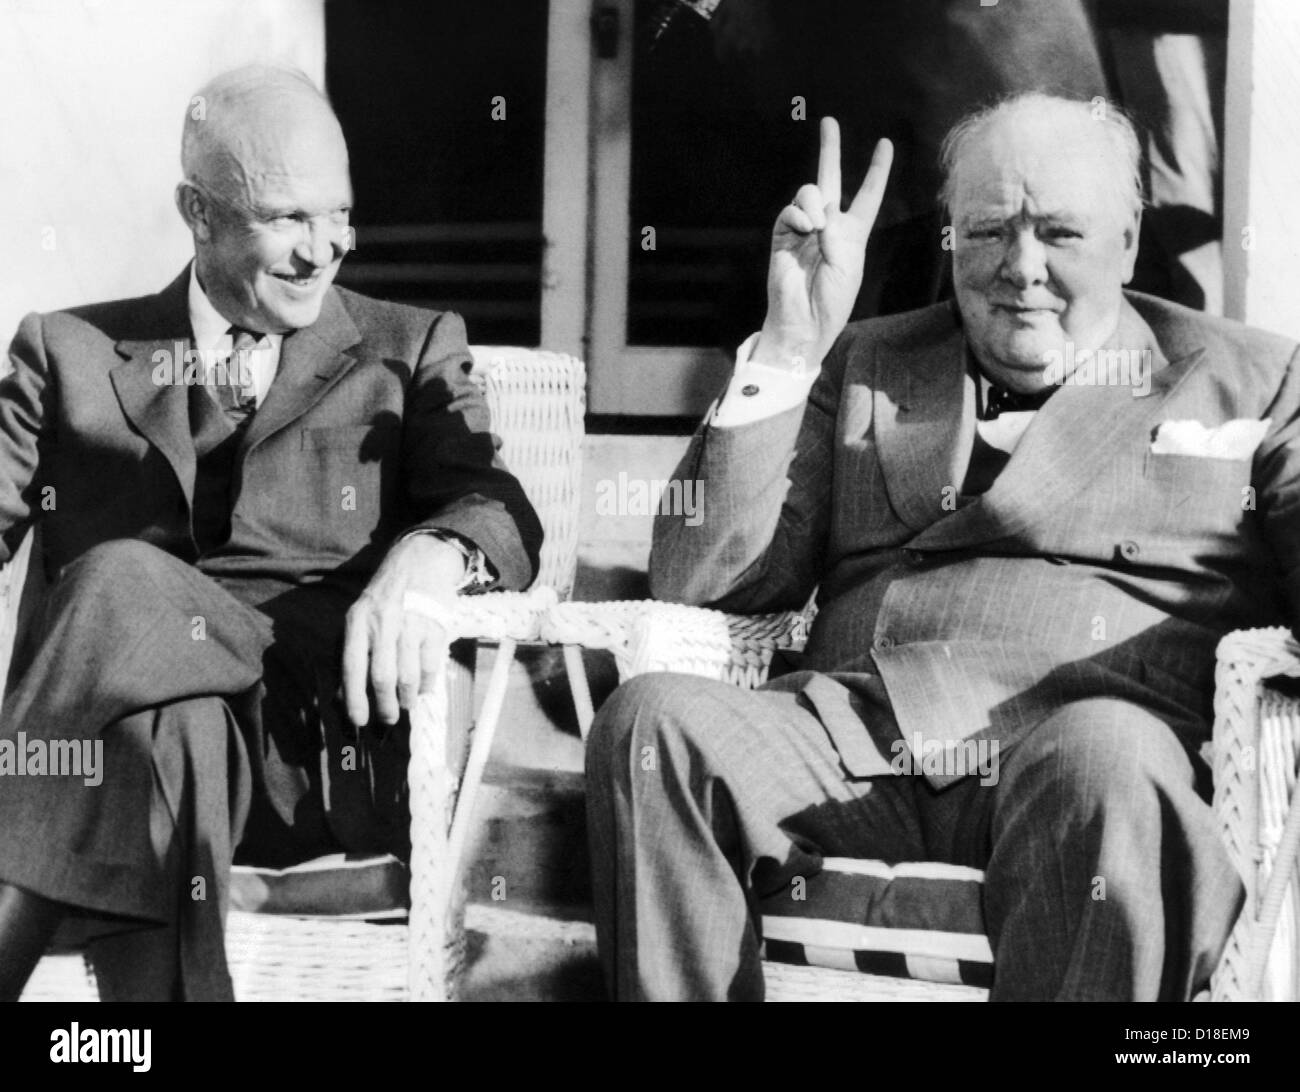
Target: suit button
{"x":884,"y":642}
{"x":1129,"y":550}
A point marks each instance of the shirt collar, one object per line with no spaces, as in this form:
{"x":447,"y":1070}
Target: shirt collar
{"x":982,"y":382}
{"x":211,"y":328}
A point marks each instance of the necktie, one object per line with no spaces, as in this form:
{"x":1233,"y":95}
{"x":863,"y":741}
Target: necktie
{"x":1002,"y":401}
{"x":237,"y":395}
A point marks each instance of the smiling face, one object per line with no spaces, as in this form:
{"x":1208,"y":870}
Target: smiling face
{"x":1045,"y":242}
{"x":268,"y":201}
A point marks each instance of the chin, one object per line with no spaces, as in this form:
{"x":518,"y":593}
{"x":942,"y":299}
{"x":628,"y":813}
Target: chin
{"x":1030,"y":353}
{"x":297,"y":315}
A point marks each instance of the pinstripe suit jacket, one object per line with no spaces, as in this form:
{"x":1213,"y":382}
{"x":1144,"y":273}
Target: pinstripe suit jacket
{"x":1092,"y":567}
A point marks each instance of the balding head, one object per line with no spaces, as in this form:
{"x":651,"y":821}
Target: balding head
{"x":1036,"y":125}
{"x":259,"y":124}
{"x":266,"y":195}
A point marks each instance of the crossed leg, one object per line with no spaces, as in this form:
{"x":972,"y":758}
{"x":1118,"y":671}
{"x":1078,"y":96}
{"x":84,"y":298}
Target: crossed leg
{"x":139,"y":657}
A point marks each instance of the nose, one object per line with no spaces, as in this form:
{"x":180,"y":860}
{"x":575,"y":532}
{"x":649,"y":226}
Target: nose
{"x":1025,"y":260}
{"x":321,"y":243}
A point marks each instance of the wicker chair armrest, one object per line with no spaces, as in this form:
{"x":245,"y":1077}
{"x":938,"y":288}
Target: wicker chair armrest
{"x":1243,"y":659}
{"x":1255,"y":748}
{"x":607,"y":625}
{"x":496,"y":616}
{"x":645,"y":635}
{"x":1262,"y":653}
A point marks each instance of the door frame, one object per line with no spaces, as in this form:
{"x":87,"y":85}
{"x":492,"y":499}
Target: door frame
{"x":645,"y":380}
{"x":565,"y":288}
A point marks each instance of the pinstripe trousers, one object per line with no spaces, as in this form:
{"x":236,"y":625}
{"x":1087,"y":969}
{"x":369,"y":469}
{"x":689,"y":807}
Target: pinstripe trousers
{"x":703,"y":798}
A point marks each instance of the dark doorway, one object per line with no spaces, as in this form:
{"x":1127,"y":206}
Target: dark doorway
{"x":443,"y":106}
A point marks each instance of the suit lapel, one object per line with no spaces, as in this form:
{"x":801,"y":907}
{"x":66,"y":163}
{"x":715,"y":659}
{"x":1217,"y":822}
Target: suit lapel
{"x":1079,"y":428}
{"x":148,"y":380}
{"x":924,"y":418}
{"x":312,"y":361}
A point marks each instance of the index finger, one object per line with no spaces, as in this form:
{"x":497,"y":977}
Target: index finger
{"x":866,"y":202}
{"x":828,"y":163}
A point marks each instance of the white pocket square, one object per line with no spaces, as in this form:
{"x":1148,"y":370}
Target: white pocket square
{"x":1230,"y":440}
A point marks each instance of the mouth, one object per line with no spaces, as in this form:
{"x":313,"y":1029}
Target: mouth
{"x":303,"y":283}
{"x":1023,"y":312}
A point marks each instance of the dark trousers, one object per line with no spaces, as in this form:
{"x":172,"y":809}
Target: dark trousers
{"x":1105,"y":877}
{"x":222,"y":739}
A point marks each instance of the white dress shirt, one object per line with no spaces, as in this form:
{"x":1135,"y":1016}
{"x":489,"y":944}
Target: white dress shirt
{"x":758,"y":391}
{"x":213,"y":341}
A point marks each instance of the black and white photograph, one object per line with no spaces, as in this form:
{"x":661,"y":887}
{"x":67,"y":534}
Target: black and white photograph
{"x":650,"y":500}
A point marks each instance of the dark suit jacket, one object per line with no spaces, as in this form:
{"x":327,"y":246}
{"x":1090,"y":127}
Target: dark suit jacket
{"x":1092,"y":567}
{"x":371,"y":427}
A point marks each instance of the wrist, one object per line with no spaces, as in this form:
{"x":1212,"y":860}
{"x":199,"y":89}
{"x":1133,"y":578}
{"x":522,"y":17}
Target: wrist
{"x":437,"y":556}
{"x":788,"y":348}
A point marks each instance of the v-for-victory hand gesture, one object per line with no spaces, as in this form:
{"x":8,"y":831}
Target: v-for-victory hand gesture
{"x":817,"y":256}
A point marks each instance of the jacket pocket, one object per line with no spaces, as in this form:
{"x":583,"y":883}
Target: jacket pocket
{"x":366,"y":442}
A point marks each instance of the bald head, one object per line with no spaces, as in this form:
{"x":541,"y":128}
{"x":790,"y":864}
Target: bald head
{"x":266,"y":195}
{"x":256,"y":125}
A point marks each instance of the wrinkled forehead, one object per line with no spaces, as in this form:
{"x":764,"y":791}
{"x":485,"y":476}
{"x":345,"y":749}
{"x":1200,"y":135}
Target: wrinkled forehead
{"x":277,"y":151}
{"x":1061,"y":169}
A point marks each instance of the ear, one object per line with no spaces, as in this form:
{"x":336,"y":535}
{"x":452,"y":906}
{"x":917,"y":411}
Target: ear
{"x":1132,"y":232}
{"x":195,"y":211}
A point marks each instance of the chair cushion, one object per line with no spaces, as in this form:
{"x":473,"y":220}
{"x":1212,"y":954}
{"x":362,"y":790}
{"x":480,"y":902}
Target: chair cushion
{"x":913,"y":920}
{"x":335,"y":886}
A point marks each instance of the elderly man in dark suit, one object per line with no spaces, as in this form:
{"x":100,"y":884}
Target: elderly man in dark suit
{"x":1028,"y":518}
{"x":238,"y":481}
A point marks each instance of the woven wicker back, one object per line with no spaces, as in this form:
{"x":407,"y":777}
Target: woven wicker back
{"x":537,"y":400}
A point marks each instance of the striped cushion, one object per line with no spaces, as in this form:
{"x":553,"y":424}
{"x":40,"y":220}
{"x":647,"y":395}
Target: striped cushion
{"x":913,"y":920}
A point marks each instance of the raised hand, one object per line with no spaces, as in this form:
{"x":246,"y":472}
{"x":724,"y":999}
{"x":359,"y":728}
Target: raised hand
{"x":817,"y":254}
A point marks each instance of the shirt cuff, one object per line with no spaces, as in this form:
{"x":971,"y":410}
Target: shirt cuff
{"x":479,"y":574}
{"x":758,"y":391}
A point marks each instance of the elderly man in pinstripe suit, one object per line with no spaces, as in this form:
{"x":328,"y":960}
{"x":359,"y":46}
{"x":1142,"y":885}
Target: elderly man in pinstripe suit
{"x":1028,"y":517}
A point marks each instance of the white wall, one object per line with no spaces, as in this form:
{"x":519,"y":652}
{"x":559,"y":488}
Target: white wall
{"x":92,"y":97}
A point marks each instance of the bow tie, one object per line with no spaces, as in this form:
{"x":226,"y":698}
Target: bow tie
{"x":1001,"y":401}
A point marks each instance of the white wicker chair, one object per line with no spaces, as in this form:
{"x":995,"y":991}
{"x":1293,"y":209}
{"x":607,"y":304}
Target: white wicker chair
{"x":537,"y":402}
{"x":1255,"y":750}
